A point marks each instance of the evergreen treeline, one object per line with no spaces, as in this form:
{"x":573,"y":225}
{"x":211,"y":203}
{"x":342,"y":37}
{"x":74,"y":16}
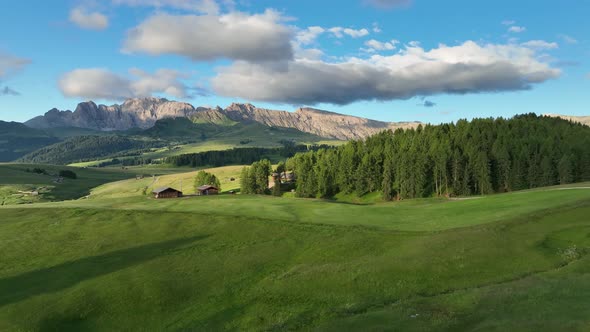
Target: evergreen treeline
{"x":237,"y":156}
{"x":478,"y":157}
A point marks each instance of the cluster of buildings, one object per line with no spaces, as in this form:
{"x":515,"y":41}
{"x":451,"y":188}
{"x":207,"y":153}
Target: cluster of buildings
{"x":168,"y":192}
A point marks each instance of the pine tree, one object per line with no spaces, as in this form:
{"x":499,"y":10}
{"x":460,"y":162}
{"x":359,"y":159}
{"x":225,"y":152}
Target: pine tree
{"x":565,"y":170}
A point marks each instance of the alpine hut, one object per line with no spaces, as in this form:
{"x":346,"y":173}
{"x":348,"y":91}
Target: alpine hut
{"x":207,"y":190}
{"x":167,"y":192}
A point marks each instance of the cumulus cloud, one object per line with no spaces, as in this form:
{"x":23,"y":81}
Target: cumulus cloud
{"x":236,"y":36}
{"x":202,"y":6}
{"x":100,"y":83}
{"x":6,"y":91}
{"x":88,"y":20}
{"x":375,"y":45}
{"x":388,"y":4}
{"x":516,"y":29}
{"x":466,"y":68}
{"x":508,"y":22}
{"x":540,"y":45}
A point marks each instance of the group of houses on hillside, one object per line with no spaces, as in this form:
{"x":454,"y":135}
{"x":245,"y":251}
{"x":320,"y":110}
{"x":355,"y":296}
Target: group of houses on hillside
{"x":168,"y":192}
{"x":208,"y":190}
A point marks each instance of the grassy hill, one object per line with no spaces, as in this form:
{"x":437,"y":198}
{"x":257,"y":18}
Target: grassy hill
{"x":144,"y":186}
{"x":18,"y":181}
{"x":123,"y":261}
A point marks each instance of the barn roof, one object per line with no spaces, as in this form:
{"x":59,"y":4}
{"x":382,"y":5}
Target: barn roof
{"x":163,"y":189}
{"x":207,"y":187}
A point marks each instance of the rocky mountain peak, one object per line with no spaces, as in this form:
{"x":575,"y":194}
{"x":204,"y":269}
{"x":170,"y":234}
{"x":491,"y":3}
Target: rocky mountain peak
{"x":133,"y":113}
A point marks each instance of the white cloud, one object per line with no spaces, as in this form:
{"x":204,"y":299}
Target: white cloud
{"x":516,"y":29}
{"x":540,"y":45}
{"x":88,"y":20}
{"x":375,"y":45}
{"x":10,"y":64}
{"x":508,"y":22}
{"x":201,"y":6}
{"x":356,"y":33}
{"x":100,"y":83}
{"x":568,"y":39}
{"x":388,"y":4}
{"x":309,"y":35}
{"x":376,"y":28}
{"x":236,"y":36}
{"x":339,"y":32}
{"x":466,"y":68}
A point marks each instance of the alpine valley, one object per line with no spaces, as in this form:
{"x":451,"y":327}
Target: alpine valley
{"x":143,"y":125}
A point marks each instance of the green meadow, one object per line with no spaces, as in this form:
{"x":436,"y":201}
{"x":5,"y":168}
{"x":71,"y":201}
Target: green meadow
{"x":121,"y":260}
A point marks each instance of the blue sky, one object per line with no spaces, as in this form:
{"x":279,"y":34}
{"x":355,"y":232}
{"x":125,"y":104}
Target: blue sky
{"x":393,"y":60}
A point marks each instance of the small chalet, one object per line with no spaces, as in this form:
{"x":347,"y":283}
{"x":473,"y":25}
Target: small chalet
{"x":167,"y":192}
{"x":207,"y":190}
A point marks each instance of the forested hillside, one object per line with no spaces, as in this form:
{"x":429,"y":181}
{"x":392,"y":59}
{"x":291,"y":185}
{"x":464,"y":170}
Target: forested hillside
{"x":17,"y":140}
{"x":479,"y":157}
{"x":82,"y":148}
{"x":238,"y":156}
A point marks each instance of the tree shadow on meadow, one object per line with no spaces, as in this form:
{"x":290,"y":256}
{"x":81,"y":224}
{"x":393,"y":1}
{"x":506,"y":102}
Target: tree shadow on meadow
{"x":62,"y":276}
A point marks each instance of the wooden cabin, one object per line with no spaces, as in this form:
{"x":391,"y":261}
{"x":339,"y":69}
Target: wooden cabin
{"x":167,"y":192}
{"x":207,"y":190}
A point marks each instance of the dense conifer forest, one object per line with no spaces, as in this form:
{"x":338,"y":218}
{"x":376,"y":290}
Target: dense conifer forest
{"x":237,"y":156}
{"x":476,"y":157}
{"x":86,"y":148}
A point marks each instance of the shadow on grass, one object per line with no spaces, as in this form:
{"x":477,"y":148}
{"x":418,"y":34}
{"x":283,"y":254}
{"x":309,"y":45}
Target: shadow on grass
{"x":59,"y":277}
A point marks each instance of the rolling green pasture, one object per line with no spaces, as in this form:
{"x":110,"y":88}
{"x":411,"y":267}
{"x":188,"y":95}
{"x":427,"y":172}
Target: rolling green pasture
{"x":14,"y":178}
{"x":134,"y":187}
{"x":121,"y":260}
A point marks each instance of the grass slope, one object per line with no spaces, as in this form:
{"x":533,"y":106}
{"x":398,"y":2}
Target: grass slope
{"x":126,"y":262}
{"x":411,"y":215}
{"x":14,"y":178}
{"x":134,"y":187}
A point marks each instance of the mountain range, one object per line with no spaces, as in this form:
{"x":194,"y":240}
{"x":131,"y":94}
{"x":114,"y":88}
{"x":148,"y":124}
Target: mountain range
{"x":143,"y":113}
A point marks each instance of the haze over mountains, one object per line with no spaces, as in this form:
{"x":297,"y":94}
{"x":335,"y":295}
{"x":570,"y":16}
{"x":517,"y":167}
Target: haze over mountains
{"x":143,"y":113}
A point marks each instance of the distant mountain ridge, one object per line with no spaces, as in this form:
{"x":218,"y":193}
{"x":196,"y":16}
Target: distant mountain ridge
{"x":133,"y":113}
{"x":143,"y":113}
{"x":585,"y":120}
